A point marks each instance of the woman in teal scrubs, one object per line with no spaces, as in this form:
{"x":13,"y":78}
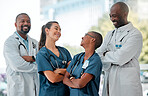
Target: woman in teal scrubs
{"x":83,"y":73}
{"x":52,"y":62}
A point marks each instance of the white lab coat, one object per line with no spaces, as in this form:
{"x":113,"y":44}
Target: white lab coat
{"x":121,"y":66}
{"x":22,"y":77}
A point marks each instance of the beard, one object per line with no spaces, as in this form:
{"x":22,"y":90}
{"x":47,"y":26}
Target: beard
{"x":25,"y":31}
{"x":120,"y":22}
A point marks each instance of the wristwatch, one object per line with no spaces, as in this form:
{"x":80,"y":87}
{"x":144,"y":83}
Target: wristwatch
{"x":33,"y":58}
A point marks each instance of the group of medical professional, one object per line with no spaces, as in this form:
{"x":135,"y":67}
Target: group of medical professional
{"x":45,"y":69}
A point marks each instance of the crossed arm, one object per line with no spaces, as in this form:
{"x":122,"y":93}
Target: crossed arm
{"x":77,"y":83}
{"x":56,"y":75}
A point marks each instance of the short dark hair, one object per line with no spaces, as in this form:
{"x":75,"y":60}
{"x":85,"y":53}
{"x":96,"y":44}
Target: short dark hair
{"x":20,"y":15}
{"x":123,"y":6}
{"x":98,"y":37}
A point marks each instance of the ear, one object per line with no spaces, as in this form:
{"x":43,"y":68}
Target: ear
{"x":93,"y":39}
{"x":47,"y":30}
{"x":15,"y":24}
{"x":125,"y":14}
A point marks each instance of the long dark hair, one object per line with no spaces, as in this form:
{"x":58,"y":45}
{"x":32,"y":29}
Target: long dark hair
{"x":43,"y":33}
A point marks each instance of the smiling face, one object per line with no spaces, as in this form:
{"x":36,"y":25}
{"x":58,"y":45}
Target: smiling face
{"x":117,"y":16}
{"x":87,"y":39}
{"x":54,"y":32}
{"x":23,"y":24}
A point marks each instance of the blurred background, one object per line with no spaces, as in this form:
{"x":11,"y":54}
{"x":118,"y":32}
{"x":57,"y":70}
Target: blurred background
{"x":76,"y":17}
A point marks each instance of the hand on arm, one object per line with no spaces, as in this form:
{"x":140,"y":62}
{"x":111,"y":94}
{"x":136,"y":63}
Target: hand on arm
{"x":60,"y":71}
{"x":67,"y":80}
{"x":77,"y":83}
{"x":28,"y":58}
{"x":81,"y":82}
{"x":53,"y":77}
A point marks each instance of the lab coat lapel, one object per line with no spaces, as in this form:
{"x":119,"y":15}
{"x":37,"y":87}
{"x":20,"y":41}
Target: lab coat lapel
{"x":124,"y":31}
{"x":22,"y":50}
{"x":30,"y":46}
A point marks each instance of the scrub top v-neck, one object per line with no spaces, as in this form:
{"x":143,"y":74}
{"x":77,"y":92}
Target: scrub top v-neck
{"x":46,"y":87}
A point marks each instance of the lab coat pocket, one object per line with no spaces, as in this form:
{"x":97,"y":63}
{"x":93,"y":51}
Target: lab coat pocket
{"x":16,"y":82}
{"x":128,"y":75}
{"x":129,"y":82}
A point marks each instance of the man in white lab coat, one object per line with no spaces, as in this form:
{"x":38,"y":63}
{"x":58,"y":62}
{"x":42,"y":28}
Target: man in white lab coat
{"x":19,"y":53}
{"x":119,"y":54}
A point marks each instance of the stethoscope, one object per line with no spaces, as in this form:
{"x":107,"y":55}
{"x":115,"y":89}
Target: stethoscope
{"x":77,"y":62}
{"x":57,"y":64}
{"x":117,"y":45}
{"x":21,"y":44}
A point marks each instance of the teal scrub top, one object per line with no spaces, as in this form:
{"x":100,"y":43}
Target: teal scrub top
{"x":42,"y":59}
{"x":94,"y":67}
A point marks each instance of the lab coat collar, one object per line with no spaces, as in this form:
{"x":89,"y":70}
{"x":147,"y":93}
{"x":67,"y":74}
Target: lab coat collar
{"x":126,"y":27}
{"x":21,"y":37}
{"x":29,"y":41}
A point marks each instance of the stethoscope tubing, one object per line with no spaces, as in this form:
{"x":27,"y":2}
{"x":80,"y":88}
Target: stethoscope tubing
{"x":113,"y":35}
{"x":57,"y":64}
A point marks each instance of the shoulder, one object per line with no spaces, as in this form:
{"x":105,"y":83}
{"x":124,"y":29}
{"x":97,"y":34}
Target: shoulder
{"x":133,"y":30}
{"x":62,"y":49}
{"x":42,"y":51}
{"x":79,"y":55}
{"x":136,"y":31}
{"x":110,"y":33}
{"x":10,"y":39}
{"x":95,"y":58}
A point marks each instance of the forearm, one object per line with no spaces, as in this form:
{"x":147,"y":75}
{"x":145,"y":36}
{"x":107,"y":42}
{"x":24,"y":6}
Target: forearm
{"x":68,"y":82}
{"x":53,"y":77}
{"x":29,"y":58}
{"x":58,"y":78}
{"x":60,"y":71}
{"x":77,"y":83}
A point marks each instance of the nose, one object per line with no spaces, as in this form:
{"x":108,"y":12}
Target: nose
{"x":26,"y":23}
{"x":59,"y":31}
{"x":112,"y":18}
{"x":82,"y":37}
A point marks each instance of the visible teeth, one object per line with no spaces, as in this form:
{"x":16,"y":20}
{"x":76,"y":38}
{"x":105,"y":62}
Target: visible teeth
{"x":58,"y":35}
{"x":114,"y":22}
{"x":25,"y":27}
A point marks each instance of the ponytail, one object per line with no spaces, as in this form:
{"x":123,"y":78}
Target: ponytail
{"x":43,"y":33}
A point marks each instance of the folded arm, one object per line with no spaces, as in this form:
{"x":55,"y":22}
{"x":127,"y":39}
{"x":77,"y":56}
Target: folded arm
{"x":77,"y":83}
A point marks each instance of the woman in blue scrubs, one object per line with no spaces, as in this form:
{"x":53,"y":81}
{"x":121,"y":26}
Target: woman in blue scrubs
{"x":52,"y":62}
{"x":83,"y":73}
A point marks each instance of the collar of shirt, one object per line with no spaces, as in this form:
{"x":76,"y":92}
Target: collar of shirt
{"x":126,"y":27}
{"x":25,"y":41}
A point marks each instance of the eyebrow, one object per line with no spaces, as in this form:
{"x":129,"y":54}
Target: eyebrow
{"x":57,"y":27}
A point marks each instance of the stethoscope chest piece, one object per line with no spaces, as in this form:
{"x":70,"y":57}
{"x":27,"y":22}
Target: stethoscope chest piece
{"x":64,"y":62}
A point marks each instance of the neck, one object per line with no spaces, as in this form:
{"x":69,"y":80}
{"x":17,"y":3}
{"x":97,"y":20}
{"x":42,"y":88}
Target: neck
{"x":88,"y":53}
{"x":50,"y":44}
{"x":22,"y":35}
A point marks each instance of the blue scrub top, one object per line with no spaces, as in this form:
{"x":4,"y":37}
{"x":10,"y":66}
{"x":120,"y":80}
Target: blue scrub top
{"x":42,"y":59}
{"x":94,"y":67}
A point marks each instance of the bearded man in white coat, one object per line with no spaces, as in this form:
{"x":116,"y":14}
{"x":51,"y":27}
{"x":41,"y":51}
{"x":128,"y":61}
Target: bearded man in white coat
{"x":119,"y":54}
{"x":19,"y":52}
